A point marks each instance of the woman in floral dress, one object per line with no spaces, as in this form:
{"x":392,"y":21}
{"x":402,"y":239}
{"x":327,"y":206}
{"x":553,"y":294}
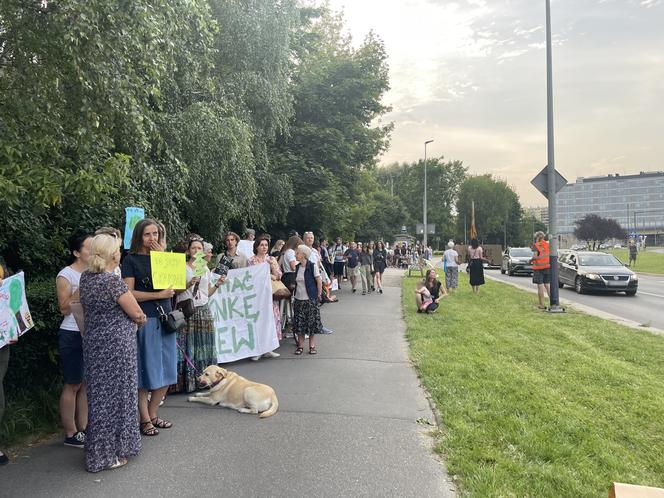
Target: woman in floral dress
{"x":261,"y":248}
{"x":109,"y":354}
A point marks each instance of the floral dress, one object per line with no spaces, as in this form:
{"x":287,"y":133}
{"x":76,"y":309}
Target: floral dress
{"x":276,"y":272}
{"x":109,"y":355}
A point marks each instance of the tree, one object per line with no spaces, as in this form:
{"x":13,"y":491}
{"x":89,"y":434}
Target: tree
{"x":596,"y":230}
{"x":333,"y":137}
{"x":497,"y":210}
{"x":406,"y":181}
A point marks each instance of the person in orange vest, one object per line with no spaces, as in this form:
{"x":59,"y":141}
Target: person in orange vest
{"x":541,"y":267}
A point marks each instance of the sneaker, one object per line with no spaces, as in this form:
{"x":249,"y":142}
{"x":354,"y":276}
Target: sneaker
{"x":364,"y":293}
{"x":354,"y":291}
{"x":380,"y":291}
{"x":325,"y":330}
{"x":271,"y":354}
{"x":3,"y":459}
{"x":255,"y":358}
{"x":76,"y":441}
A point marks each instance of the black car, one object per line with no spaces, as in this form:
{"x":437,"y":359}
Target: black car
{"x":595,"y":271}
{"x":517,"y":260}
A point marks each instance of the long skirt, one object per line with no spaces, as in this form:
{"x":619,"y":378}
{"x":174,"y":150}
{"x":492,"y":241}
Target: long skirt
{"x":276,"y":311}
{"x":306,"y":317}
{"x":197,"y":341}
{"x":157,"y":360}
{"x":476,"y":272}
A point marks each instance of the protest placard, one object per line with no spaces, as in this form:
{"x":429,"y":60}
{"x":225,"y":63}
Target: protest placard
{"x":242,"y":312}
{"x":200,"y":265}
{"x":15,"y":318}
{"x":246,"y":247}
{"x":168,"y":270}
{"x":132,"y":216}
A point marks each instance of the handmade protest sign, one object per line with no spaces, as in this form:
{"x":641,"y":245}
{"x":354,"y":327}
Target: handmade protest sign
{"x":132,"y":216}
{"x":242,"y":312}
{"x":15,"y":317}
{"x":168,"y":270}
{"x":200,"y":265}
{"x":246,"y":247}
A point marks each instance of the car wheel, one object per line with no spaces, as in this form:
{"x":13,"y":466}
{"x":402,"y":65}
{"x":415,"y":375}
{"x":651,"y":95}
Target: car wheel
{"x":560,"y":284}
{"x":510,"y":272}
{"x":578,"y":286}
{"x":630,"y":293}
{"x":502,"y":270}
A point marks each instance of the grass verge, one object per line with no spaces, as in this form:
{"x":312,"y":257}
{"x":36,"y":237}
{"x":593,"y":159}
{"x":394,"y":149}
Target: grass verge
{"x":647,"y":262}
{"x":535,"y":404}
{"x":29,"y":416}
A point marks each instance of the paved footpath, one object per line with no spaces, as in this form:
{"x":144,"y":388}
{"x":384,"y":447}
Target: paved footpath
{"x":346,"y":426}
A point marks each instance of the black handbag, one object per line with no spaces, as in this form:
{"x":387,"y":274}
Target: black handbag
{"x":187,"y":307}
{"x":171,"y":322}
{"x":289,"y":280}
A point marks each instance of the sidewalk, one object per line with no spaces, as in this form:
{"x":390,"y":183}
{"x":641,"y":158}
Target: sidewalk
{"x":346,"y":426}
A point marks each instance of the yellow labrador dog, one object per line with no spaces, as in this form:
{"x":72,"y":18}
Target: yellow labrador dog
{"x":230,"y":390}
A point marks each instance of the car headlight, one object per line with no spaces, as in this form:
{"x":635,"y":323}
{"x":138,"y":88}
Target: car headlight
{"x":593,"y":276}
{"x":634,"y":278}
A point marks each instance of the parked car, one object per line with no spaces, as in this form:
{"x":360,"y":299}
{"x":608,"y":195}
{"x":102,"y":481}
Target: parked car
{"x":595,"y":271}
{"x":578,"y":247}
{"x":517,"y":260}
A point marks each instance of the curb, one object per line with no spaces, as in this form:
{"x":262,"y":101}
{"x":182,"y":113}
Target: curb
{"x":588,"y":310}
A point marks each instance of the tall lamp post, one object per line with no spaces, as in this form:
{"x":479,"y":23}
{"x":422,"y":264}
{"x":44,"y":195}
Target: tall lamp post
{"x":424,"y":239}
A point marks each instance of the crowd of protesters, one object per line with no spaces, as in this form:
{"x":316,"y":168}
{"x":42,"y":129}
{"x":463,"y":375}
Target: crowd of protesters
{"x":117,"y":356}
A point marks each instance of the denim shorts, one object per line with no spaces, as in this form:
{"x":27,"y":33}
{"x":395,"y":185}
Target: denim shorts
{"x":70,"y":346}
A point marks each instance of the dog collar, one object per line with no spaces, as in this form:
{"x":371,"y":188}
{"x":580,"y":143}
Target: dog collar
{"x":216,"y":383}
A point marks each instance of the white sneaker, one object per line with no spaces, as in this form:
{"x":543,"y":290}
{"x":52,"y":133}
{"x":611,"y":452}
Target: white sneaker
{"x":271,"y":354}
{"x":255,"y":358}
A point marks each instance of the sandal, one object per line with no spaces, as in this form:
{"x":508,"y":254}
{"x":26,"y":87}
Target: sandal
{"x":312,"y":350}
{"x":148,"y":431}
{"x":117,"y":463}
{"x":161,"y":423}
{"x":298,"y":351}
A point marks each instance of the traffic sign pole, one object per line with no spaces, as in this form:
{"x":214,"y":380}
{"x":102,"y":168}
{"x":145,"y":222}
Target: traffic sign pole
{"x":554,"y":305}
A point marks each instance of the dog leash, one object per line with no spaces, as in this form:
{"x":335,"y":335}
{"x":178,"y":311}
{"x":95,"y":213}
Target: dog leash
{"x":187,"y":359}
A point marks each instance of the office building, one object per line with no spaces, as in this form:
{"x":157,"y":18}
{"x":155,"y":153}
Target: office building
{"x":635,"y":201}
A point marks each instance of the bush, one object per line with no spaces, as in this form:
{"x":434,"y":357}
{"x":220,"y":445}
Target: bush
{"x":34,"y":380}
{"x":33,"y":362}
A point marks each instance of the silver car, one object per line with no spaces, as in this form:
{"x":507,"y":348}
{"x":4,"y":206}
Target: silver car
{"x":517,"y":260}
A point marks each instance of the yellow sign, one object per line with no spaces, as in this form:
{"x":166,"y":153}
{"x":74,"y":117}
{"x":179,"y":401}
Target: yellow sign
{"x":168,"y":270}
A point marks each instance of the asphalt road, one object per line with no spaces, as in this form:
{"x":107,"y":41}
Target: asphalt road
{"x":644,"y":308}
{"x":349,"y":424}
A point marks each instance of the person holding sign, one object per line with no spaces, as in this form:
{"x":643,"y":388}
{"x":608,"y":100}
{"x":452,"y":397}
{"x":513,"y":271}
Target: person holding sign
{"x":306,"y":313}
{"x":73,"y":401}
{"x":261,"y":248}
{"x":157,"y":357}
{"x":109,"y":351}
{"x":197,"y":338}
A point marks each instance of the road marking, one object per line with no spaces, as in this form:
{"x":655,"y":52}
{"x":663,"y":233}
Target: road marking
{"x":650,"y":294}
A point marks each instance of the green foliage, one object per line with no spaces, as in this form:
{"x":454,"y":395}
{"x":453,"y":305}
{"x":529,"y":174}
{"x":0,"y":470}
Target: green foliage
{"x":406,"y":181}
{"x":497,"y":210}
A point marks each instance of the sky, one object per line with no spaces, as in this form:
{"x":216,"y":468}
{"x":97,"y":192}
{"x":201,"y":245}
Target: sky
{"x":471,"y":75}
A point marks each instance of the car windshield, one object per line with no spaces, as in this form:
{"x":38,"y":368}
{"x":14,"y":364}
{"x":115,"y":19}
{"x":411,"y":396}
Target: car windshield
{"x":598,"y":259}
{"x":521,"y":253}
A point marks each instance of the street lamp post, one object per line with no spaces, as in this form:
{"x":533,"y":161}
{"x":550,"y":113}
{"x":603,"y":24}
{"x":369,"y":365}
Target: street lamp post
{"x":424,"y":239}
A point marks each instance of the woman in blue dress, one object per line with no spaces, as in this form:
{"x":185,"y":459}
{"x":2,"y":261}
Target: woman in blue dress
{"x":157,"y":356}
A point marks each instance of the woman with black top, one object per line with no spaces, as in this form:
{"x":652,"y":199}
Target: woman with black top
{"x":476,"y":258}
{"x":435,"y":288}
{"x":157,"y":357}
{"x":379,"y":264}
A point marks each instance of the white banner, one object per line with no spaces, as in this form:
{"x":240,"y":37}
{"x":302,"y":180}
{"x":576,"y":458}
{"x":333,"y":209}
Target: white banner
{"x":15,"y":318}
{"x":242,"y":313}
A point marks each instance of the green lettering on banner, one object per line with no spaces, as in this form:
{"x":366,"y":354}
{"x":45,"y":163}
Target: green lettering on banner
{"x":221,"y":341}
{"x":241,"y":341}
{"x":231,"y":307}
{"x":248,"y":305}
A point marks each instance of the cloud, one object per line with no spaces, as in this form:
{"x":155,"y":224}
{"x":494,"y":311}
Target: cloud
{"x":471,"y":75}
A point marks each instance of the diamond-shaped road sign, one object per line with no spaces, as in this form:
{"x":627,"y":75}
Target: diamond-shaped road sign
{"x":540,"y":182}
